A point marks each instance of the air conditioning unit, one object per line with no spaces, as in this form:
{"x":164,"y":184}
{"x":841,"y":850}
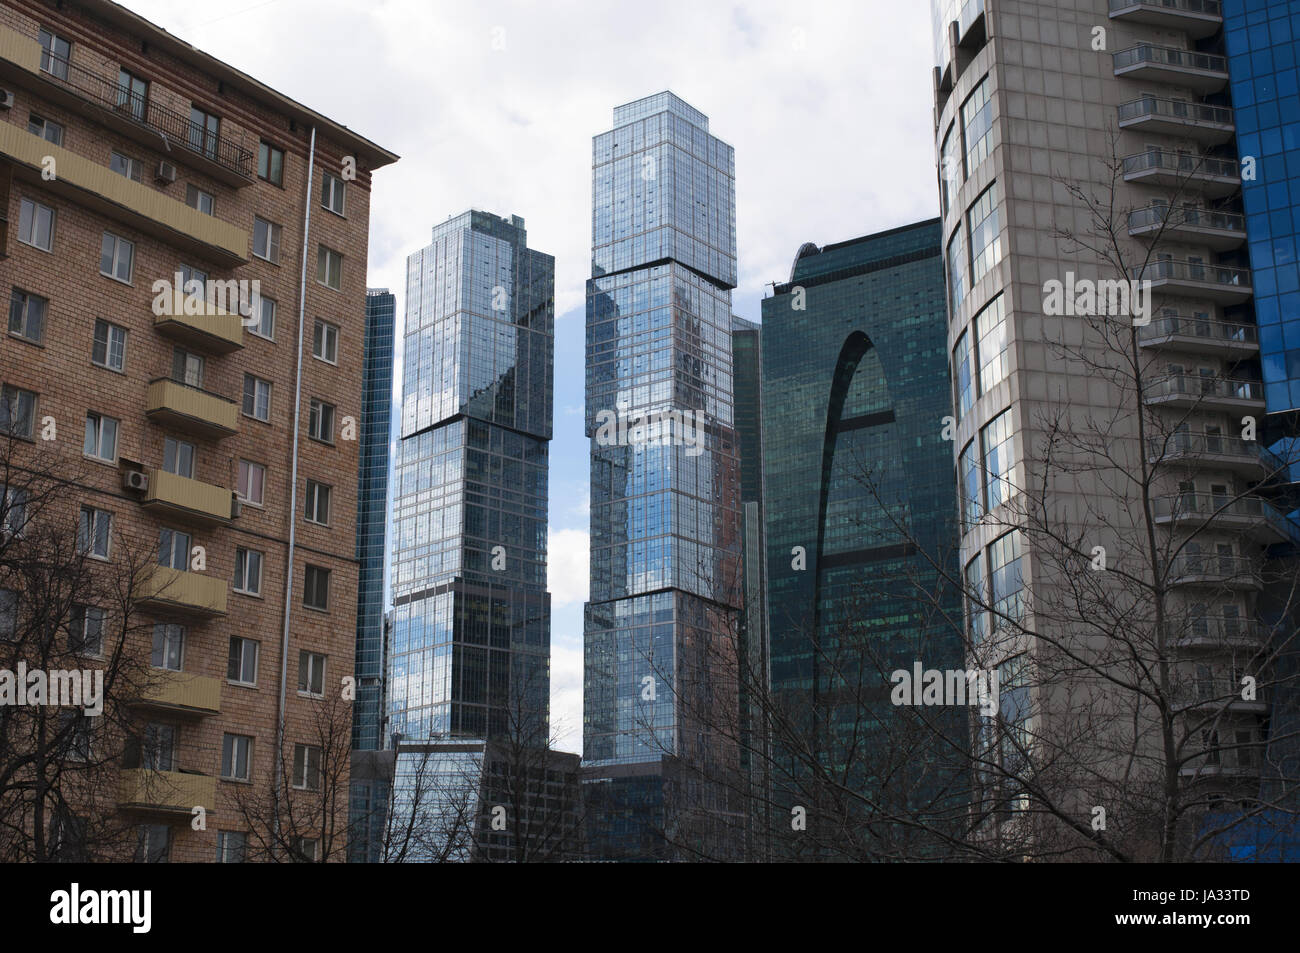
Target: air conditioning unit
{"x":166,"y":172}
{"x":135,"y":480}
{"x":6,"y":99}
{"x":236,"y":507}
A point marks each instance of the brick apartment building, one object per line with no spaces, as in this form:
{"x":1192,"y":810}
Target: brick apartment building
{"x":126,"y":157}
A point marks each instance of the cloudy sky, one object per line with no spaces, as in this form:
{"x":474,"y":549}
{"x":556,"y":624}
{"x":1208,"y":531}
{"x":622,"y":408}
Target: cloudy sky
{"x":492,"y":105}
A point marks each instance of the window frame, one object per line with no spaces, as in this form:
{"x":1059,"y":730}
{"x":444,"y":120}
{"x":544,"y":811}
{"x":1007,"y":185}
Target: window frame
{"x":23,"y":204}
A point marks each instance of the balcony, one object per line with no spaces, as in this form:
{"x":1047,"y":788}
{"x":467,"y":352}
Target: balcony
{"x":1218,"y":283}
{"x":166,"y":792}
{"x":1202,"y":72}
{"x":191,"y":410}
{"x":1180,"y":170}
{"x":200,"y":324}
{"x":181,"y":693}
{"x":1199,"y":335}
{"x":87,"y":92}
{"x":1218,"y":572}
{"x":1196,"y":18}
{"x":188,"y":593}
{"x":1248,"y":514}
{"x":1220,"y":231}
{"x":1215,"y":693}
{"x":1176,"y":117}
{"x":1192,"y":391}
{"x":187,"y":501}
{"x":1215,"y":451}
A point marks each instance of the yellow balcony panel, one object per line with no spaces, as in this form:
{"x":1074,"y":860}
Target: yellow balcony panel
{"x":191,"y":409}
{"x":181,"y":693}
{"x":200,"y":324}
{"x":174,"y":590}
{"x":133,"y":203}
{"x":166,"y":792}
{"x":188,"y":501}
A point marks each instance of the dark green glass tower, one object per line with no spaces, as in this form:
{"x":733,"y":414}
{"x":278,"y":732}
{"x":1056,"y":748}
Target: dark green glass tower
{"x":858,"y":498}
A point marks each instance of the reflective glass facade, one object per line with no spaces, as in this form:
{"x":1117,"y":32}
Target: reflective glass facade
{"x":470,"y":646}
{"x":665,"y":518}
{"x":855,"y":386}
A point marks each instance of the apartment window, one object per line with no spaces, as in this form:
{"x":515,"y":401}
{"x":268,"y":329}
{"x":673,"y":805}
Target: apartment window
{"x":202,"y":201}
{"x":178,"y":457}
{"x":8,"y":614}
{"x":977,"y":123}
{"x":320,"y":421}
{"x":56,"y":53}
{"x":27,"y":315}
{"x":116,"y":257}
{"x":270,"y":163}
{"x":257,"y":398}
{"x":187,"y":367}
{"x":983,"y":221}
{"x":232,"y":847}
{"x":194,"y":281}
{"x":318,"y":503}
{"x":306,"y":767}
{"x":93,"y":532}
{"x":962,"y":377}
{"x":306,"y":849}
{"x":101,"y":438}
{"x":110,"y":346}
{"x":1006,"y":583}
{"x":36,"y":225}
{"x":949,"y":168}
{"x":316,"y":588}
{"x":132,"y":94}
{"x":956,"y":271}
{"x":158,"y":750}
{"x":311,"y":673}
{"x":78,"y":732}
{"x":236,"y":757}
{"x":252,"y":481}
{"x":999,"y":458}
{"x":329,"y":267}
{"x":168,"y":646}
{"x":266,"y":239}
{"x":153,"y":844}
{"x":242,"y":664}
{"x":68,"y":837}
{"x":248,"y":571}
{"x":13,"y":511}
{"x":86,"y":631}
{"x":264,"y":327}
{"x":993,"y":345}
{"x":325,"y":342}
{"x":969,"y":473}
{"x":204,"y":130}
{"x":17,"y":411}
{"x":48,"y":130}
{"x":976,"y":617}
{"x":125,"y":165}
{"x":331,"y":193}
{"x":174,"y":548}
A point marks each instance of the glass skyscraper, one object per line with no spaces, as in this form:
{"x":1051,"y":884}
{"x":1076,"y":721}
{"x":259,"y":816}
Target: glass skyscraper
{"x":858,"y":497}
{"x":470,"y":653}
{"x":661,"y":623}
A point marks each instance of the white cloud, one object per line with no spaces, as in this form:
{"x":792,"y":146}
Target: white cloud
{"x":566,"y":566}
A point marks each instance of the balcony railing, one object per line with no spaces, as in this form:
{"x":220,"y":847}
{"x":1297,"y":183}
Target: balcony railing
{"x":191,"y":409}
{"x":1186,"y":443}
{"x":1190,"y":217}
{"x":175,"y":128}
{"x":1166,"y":56}
{"x":1149,"y":107}
{"x":1208,"y":7}
{"x":166,"y":792}
{"x":1191,"y":568}
{"x":1174,"y":269}
{"x":181,"y":693}
{"x":1203,"y":329}
{"x":1224,"y":511}
{"x":1180,"y":162}
{"x":1192,"y":385}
